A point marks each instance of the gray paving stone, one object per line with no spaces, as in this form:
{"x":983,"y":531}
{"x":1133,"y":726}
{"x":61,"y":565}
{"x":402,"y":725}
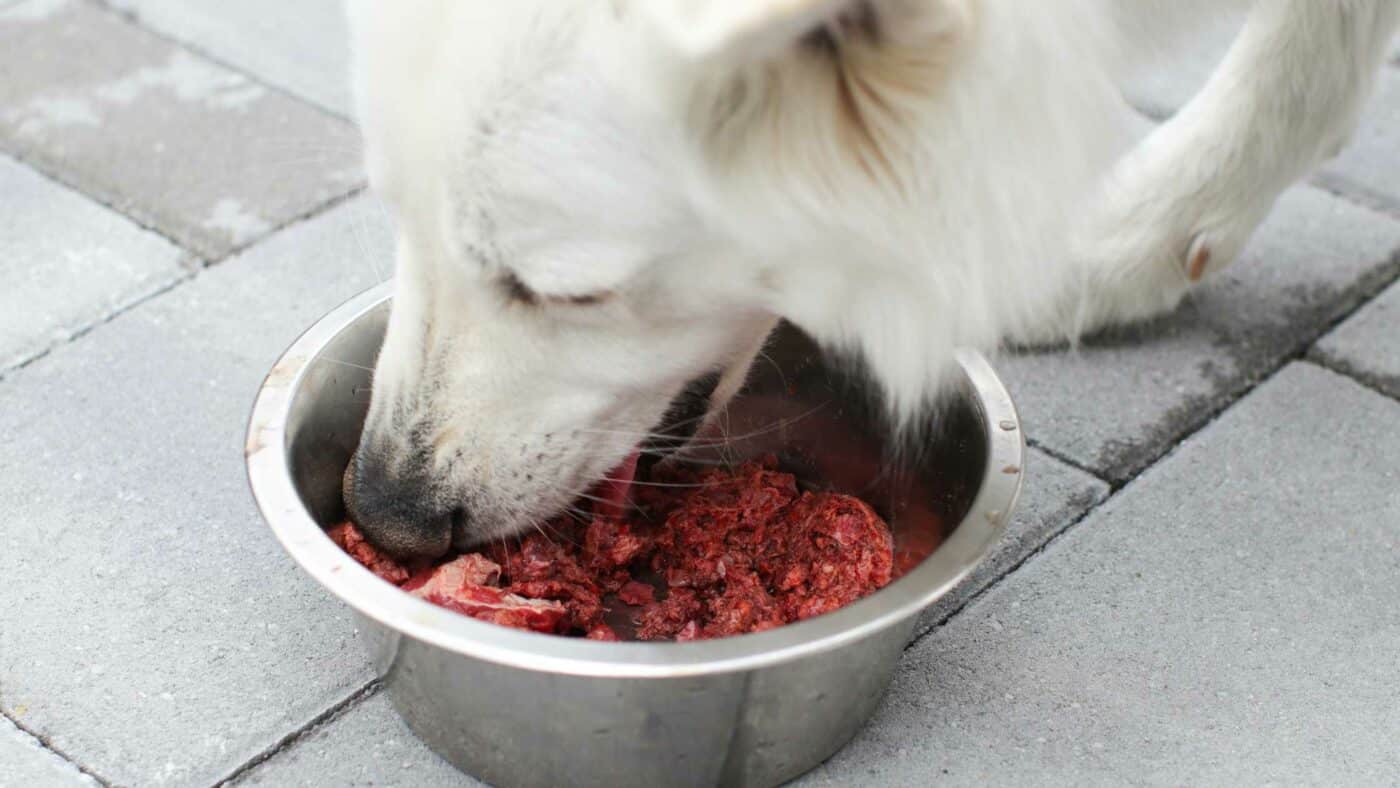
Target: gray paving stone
{"x":1370,"y":164}
{"x":1227,"y":619}
{"x":1366,"y":345}
{"x":300,"y":47}
{"x":1121,"y":400}
{"x":202,"y":154}
{"x":27,"y":764}
{"x":67,"y":263}
{"x":368,"y":745}
{"x":33,"y":9}
{"x":1054,"y":496}
{"x":1171,"y":80}
{"x":153,"y":629}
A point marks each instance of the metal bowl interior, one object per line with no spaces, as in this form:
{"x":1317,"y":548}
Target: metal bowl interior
{"x":947,"y":500}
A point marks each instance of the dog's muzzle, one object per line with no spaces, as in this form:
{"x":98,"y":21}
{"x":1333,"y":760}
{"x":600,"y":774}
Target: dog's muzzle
{"x":396,"y":510}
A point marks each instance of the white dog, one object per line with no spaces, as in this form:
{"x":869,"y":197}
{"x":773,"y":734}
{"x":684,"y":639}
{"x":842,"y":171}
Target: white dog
{"x":601,"y":200}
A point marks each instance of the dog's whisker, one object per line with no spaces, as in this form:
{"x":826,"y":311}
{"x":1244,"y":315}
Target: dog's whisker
{"x":644,"y":433}
{"x":776,"y":426}
{"x":657,"y":438}
{"x":537,"y":527}
{"x":577,"y":515}
{"x":505,"y":548}
{"x":345,"y":364}
{"x":361,"y":233}
{"x":677,"y":485}
{"x":557,"y":533}
{"x":626,"y":504}
{"x":782,"y":376}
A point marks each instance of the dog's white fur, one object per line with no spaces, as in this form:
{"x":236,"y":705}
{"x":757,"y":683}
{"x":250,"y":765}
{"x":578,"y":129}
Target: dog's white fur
{"x":897,"y":177}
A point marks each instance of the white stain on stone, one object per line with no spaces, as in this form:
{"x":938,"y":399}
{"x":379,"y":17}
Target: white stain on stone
{"x":44,"y":113}
{"x":190,"y":79}
{"x":37,"y":763}
{"x":33,"y":10}
{"x":231,"y":217}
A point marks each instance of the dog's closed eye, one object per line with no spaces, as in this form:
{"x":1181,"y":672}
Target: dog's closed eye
{"x":519,"y":292}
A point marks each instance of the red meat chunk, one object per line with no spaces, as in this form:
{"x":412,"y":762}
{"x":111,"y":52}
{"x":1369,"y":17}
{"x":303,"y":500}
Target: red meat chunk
{"x":635,"y":593}
{"x":349,"y":539}
{"x":472,"y":569}
{"x":612,"y":544}
{"x":545,"y":567}
{"x":835,"y":550}
{"x":602,"y":632}
{"x":665,"y":620}
{"x":736,"y":550}
{"x":740,"y":604}
{"x":467,"y":585}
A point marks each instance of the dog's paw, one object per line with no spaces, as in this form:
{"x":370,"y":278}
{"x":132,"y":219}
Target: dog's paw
{"x":1141,"y":256}
{"x":1166,"y":219}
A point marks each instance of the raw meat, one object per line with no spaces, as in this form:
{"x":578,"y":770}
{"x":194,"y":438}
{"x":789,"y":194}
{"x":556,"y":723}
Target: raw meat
{"x":468,"y":585}
{"x":349,"y":539}
{"x":702,"y":554}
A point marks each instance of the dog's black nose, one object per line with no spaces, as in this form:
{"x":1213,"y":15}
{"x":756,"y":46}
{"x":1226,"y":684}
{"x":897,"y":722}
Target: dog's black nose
{"x":396,"y":509}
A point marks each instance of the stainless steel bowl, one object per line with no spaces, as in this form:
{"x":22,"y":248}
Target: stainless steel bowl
{"x":521,"y":709}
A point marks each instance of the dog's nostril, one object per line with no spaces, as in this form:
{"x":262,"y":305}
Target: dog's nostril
{"x":395,"y":511}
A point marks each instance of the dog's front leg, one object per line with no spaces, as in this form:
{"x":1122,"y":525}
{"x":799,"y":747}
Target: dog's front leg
{"x":1183,"y":204}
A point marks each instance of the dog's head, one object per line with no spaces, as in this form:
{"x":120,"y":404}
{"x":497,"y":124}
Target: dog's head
{"x":601,"y":201}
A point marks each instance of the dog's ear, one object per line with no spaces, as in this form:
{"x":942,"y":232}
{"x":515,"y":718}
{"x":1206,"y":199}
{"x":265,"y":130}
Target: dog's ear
{"x":744,"y":29}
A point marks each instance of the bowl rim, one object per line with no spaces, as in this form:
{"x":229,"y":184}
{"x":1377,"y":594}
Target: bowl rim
{"x":269,"y":475}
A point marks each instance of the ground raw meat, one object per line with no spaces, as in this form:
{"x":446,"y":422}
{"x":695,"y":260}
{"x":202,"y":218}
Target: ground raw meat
{"x":635,"y":593}
{"x":349,"y":539}
{"x":703,"y":553}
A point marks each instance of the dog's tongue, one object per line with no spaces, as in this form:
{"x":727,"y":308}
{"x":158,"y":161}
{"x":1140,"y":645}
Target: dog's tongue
{"x":611,"y":494}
